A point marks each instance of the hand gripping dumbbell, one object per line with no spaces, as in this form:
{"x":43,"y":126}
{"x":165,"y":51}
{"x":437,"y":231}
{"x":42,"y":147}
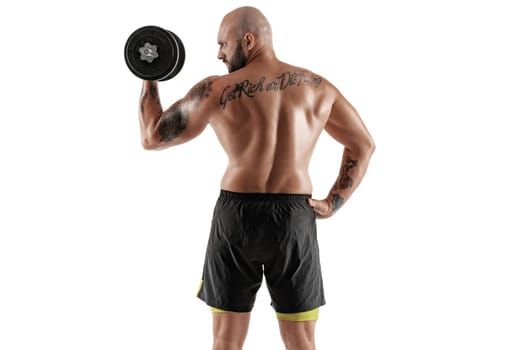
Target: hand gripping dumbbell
{"x":154,"y":53}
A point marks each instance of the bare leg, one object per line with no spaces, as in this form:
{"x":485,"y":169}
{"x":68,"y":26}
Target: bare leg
{"x":298,"y":335}
{"x":230,"y":330}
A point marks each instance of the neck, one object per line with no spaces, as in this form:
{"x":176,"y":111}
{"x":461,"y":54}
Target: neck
{"x":262,"y":54}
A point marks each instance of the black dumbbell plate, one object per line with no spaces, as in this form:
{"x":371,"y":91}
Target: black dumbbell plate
{"x":152,"y":53}
{"x":180,"y":59}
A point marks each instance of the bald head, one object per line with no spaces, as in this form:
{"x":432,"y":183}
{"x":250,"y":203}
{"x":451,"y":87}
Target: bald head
{"x":245,"y":36}
{"x":249,"y":19}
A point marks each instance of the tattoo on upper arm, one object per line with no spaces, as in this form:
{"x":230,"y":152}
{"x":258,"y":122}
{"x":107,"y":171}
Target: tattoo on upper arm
{"x":173,"y":122}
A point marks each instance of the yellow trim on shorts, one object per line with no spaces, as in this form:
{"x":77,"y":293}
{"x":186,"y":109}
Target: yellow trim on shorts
{"x":218,"y":311}
{"x":200,"y":287}
{"x":311,"y":315}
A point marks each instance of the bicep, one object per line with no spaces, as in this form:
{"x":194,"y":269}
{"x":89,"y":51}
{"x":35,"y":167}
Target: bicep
{"x":188,"y":117}
{"x":175,"y":125}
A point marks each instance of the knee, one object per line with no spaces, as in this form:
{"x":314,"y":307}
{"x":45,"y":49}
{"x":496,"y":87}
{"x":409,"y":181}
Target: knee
{"x":298,"y":343}
{"x":226,"y":344}
{"x":298,"y":338}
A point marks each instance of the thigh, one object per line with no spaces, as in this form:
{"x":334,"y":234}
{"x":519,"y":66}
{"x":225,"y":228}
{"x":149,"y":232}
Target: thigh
{"x":230,"y":328}
{"x":294,"y":276}
{"x":231,"y":278}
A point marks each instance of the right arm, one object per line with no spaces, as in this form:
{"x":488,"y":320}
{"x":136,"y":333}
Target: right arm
{"x":181,"y":122}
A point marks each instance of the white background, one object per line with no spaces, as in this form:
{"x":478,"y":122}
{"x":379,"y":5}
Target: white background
{"x":102,"y":243}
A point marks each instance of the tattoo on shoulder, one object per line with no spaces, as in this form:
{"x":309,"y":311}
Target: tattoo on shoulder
{"x":250,"y":89}
{"x":201,"y":90}
{"x":173,"y":122}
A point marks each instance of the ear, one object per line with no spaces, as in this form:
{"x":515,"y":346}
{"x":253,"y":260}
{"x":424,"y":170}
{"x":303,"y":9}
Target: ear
{"x":249,"y":39}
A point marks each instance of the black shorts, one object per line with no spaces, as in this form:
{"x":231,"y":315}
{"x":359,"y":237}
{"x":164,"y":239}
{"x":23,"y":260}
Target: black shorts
{"x":255,"y":234}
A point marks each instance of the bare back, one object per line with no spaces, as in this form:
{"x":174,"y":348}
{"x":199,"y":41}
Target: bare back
{"x":268,"y":116}
{"x":268,"y":120}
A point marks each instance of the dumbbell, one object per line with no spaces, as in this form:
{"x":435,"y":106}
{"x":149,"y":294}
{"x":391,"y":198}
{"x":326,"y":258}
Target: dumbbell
{"x":154,"y":53}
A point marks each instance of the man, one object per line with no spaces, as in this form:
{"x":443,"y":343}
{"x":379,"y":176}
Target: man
{"x":268,"y":116}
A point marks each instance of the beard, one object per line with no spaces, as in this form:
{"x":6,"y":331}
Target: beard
{"x":238,"y":60}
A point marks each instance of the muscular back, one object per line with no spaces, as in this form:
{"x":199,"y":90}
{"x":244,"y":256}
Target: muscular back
{"x":267,"y":115}
{"x":268,"y":119}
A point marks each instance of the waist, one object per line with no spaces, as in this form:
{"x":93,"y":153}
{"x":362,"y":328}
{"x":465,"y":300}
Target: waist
{"x":281,"y":197}
{"x":260,"y":180}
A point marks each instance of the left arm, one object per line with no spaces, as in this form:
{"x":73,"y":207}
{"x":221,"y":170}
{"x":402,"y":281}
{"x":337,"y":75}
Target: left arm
{"x":181,"y":122}
{"x":346,"y":127}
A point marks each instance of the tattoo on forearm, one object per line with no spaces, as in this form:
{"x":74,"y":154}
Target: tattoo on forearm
{"x":173,"y":122}
{"x":346,"y":181}
{"x":154,"y":92}
{"x":250,"y":89}
{"x":337,"y":202}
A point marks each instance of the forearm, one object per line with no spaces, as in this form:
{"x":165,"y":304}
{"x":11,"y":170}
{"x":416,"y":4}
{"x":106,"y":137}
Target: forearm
{"x":353,"y":168}
{"x":150,"y":113}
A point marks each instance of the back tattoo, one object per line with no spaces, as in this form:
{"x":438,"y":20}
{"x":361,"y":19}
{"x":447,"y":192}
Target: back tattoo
{"x":250,"y":89}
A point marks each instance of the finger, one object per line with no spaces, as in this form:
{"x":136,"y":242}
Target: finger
{"x":316,"y":205}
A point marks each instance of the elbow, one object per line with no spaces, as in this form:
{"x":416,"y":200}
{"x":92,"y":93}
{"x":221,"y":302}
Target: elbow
{"x":365,"y":148}
{"x":148,"y":145}
{"x":150,"y":140}
{"x":371,"y":146}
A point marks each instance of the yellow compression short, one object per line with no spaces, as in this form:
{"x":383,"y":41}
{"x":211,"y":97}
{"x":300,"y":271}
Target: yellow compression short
{"x":310,"y":315}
